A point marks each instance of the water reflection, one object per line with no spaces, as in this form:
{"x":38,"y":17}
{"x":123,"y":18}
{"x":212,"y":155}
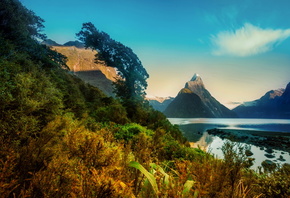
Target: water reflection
{"x":259,"y":154}
{"x":195,"y":131}
{"x":203,"y":142}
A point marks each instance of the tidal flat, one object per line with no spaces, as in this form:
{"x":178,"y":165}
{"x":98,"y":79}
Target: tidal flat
{"x":263,"y":139}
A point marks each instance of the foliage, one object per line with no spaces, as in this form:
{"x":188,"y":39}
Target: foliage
{"x":128,"y":131}
{"x":162,"y":184}
{"x":150,"y":177}
{"x":112,"y":113}
{"x":277,"y":183}
{"x":132,"y":81}
{"x":18,"y":23}
{"x":20,"y":32}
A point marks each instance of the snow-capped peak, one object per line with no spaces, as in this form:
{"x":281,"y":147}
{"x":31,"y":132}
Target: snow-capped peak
{"x":158,"y":98}
{"x":195,"y":76}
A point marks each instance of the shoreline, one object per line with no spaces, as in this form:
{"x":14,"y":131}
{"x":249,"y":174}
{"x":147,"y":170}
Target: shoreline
{"x":263,"y":139}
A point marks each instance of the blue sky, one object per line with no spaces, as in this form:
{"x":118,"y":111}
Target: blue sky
{"x":240,"y":48}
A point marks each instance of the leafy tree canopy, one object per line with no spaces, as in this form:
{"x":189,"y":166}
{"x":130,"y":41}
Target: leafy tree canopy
{"x":21,"y":31}
{"x":132,"y":82}
{"x":17,"y":22}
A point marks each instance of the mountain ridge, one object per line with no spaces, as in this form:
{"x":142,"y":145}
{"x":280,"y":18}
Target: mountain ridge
{"x":52,"y":43}
{"x":159,"y":103}
{"x":273,"y":104}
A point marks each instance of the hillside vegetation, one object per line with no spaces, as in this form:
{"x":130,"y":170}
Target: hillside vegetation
{"x":61,"y":137}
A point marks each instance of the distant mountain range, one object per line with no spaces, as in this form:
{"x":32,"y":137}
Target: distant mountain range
{"x":274,"y":104}
{"x":75,"y":43}
{"x":50,"y":42}
{"x":194,"y":100}
{"x":81,"y":62}
{"x":159,"y":103}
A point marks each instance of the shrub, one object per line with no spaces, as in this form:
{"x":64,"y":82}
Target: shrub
{"x":128,"y":131}
{"x":112,"y":113}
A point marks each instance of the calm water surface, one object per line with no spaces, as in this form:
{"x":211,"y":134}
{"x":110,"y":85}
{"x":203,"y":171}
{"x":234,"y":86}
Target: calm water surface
{"x":194,"y":130}
{"x":280,"y":125}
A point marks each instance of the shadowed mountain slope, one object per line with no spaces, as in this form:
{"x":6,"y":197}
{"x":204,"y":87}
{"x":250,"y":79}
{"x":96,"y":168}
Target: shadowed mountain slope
{"x":274,"y":104}
{"x":196,"y":101}
{"x":159,"y":103}
{"x":81,"y":63}
{"x":187,"y":105}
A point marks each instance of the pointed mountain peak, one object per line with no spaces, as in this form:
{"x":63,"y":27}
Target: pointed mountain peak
{"x":195,"y":77}
{"x":195,"y":84}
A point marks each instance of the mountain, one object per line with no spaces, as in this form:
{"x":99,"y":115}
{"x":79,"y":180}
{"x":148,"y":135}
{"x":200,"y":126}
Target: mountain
{"x":81,"y":63}
{"x":285,"y":98}
{"x":74,"y":43}
{"x":159,"y":103}
{"x":50,"y":42}
{"x":187,"y":105}
{"x":274,"y":104}
{"x":194,"y":100}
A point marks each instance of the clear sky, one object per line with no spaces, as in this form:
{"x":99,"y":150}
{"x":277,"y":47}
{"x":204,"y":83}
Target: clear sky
{"x":240,"y":48}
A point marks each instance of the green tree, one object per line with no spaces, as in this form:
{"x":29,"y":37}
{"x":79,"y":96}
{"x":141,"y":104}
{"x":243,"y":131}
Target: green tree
{"x":20,"y":27}
{"x":132,"y":82}
{"x":18,"y":23}
{"x":21,"y":31}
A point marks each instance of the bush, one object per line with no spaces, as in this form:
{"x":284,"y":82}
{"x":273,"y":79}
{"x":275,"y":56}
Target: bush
{"x":128,"y":131}
{"x":112,"y":113}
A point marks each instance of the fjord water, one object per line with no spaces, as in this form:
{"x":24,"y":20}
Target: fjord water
{"x":202,"y":124}
{"x":194,"y":130}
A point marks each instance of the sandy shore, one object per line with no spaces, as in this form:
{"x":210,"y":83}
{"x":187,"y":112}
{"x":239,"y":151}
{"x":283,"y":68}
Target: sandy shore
{"x":264,"y":139}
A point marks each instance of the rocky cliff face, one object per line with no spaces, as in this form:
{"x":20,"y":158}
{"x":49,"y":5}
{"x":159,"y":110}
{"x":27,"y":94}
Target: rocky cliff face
{"x":196,"y":101}
{"x":196,"y":86}
{"x":274,"y":104}
{"x":81,"y":63}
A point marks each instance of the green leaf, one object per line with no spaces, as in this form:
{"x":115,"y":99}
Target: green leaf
{"x":187,"y":186}
{"x":148,"y":175}
{"x":166,"y":176}
{"x":195,"y":194}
